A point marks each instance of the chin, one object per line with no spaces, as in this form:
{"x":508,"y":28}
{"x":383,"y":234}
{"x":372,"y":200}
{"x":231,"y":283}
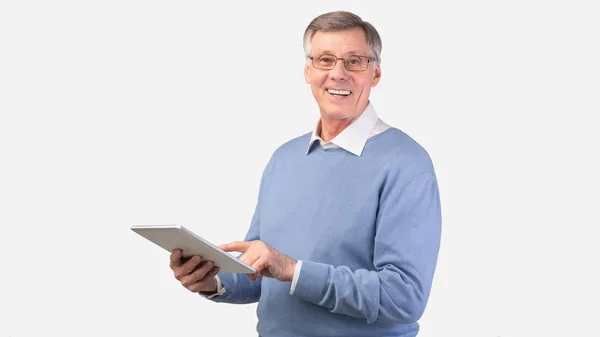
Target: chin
{"x":338,"y":112}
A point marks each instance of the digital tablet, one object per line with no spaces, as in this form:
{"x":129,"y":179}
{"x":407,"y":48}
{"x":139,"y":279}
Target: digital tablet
{"x":171,"y":237}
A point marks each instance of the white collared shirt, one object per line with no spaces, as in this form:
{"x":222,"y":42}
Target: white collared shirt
{"x":352,"y":139}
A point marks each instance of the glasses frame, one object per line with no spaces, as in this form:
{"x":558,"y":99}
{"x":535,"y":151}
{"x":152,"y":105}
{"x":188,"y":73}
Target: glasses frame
{"x":369,"y":60}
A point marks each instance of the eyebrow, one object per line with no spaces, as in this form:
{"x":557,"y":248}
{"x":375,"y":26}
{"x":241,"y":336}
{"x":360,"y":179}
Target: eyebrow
{"x":352,"y":52}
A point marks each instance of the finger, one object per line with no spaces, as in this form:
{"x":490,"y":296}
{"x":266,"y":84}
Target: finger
{"x":236,"y":246}
{"x":196,"y":287}
{"x":261,"y":266}
{"x":256,"y":275}
{"x":258,"y":272}
{"x":212,"y":273}
{"x":175,"y":258}
{"x":252,"y":277}
{"x":191,"y":264}
{"x":197,"y":275}
{"x":250,"y":256}
{"x":187,"y":268}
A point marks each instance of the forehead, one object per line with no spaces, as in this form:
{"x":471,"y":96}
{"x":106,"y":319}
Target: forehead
{"x":342,"y":42}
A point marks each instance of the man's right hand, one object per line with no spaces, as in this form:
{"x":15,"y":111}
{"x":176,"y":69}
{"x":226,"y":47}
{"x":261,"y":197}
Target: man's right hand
{"x":192,"y":275}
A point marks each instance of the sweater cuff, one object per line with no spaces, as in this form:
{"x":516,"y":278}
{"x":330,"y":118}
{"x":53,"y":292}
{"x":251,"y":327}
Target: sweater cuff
{"x":312,"y":281}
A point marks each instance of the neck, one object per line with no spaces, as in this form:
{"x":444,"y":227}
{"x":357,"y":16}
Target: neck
{"x":330,"y":128}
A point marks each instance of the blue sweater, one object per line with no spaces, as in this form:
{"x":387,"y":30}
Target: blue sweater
{"x":367,"y":230}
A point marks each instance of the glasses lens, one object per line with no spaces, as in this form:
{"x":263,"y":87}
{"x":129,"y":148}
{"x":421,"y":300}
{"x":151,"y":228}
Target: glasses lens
{"x":324,"y":62}
{"x":356,"y":63}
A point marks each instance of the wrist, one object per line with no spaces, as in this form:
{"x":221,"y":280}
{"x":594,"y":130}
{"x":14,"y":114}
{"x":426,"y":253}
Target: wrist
{"x":291,"y":270}
{"x":211,"y":293}
{"x":211,"y":288}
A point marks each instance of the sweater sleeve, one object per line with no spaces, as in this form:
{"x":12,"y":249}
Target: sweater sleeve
{"x":239,"y":288}
{"x":406,"y":245}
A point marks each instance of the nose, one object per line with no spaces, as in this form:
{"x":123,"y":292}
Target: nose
{"x":339,"y":72}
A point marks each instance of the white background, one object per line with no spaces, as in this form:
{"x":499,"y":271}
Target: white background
{"x":121,"y":112}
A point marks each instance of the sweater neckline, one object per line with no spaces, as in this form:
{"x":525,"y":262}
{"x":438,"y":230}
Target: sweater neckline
{"x":321,"y":150}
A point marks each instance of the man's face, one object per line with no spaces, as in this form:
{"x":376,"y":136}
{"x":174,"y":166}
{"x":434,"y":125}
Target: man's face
{"x":341,"y":44}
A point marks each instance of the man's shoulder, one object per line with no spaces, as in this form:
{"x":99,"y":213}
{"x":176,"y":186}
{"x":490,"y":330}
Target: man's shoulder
{"x":397,"y":146}
{"x":292,"y":148}
{"x":399,"y":143}
{"x":297,"y":145}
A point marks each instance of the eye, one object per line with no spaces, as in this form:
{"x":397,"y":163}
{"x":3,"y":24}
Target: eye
{"x":354,"y":60}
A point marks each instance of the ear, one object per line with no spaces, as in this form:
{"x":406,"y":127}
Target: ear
{"x":377,"y":75}
{"x":307,"y":73}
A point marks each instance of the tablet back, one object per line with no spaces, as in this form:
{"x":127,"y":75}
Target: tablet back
{"x":171,"y":237}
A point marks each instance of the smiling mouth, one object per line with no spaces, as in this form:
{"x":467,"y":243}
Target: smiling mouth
{"x":339,"y":92}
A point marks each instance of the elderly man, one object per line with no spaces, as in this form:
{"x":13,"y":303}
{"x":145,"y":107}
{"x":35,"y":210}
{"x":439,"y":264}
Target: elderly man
{"x":346,"y":231}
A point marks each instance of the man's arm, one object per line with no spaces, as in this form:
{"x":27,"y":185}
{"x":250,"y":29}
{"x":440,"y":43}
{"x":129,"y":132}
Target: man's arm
{"x":407,"y":242}
{"x":239,"y":288}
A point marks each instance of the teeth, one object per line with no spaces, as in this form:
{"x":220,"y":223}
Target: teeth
{"x":339,"y":92}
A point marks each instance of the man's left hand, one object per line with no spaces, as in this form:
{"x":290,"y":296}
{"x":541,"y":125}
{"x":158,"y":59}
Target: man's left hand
{"x":266,"y":260}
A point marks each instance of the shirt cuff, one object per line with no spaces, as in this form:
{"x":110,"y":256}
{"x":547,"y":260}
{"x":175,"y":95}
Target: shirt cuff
{"x":220,"y":289}
{"x":296,"y":275}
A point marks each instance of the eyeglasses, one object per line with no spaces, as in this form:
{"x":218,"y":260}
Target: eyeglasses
{"x":351,"y":63}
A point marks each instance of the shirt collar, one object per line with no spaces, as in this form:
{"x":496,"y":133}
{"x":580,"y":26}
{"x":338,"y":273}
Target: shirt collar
{"x":354,"y":137}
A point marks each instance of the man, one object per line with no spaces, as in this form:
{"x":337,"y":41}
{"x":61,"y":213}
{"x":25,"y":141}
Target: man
{"x":346,"y":231}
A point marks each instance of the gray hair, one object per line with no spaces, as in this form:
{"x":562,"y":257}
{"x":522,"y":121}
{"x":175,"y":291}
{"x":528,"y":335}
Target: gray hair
{"x":341,"y":20}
